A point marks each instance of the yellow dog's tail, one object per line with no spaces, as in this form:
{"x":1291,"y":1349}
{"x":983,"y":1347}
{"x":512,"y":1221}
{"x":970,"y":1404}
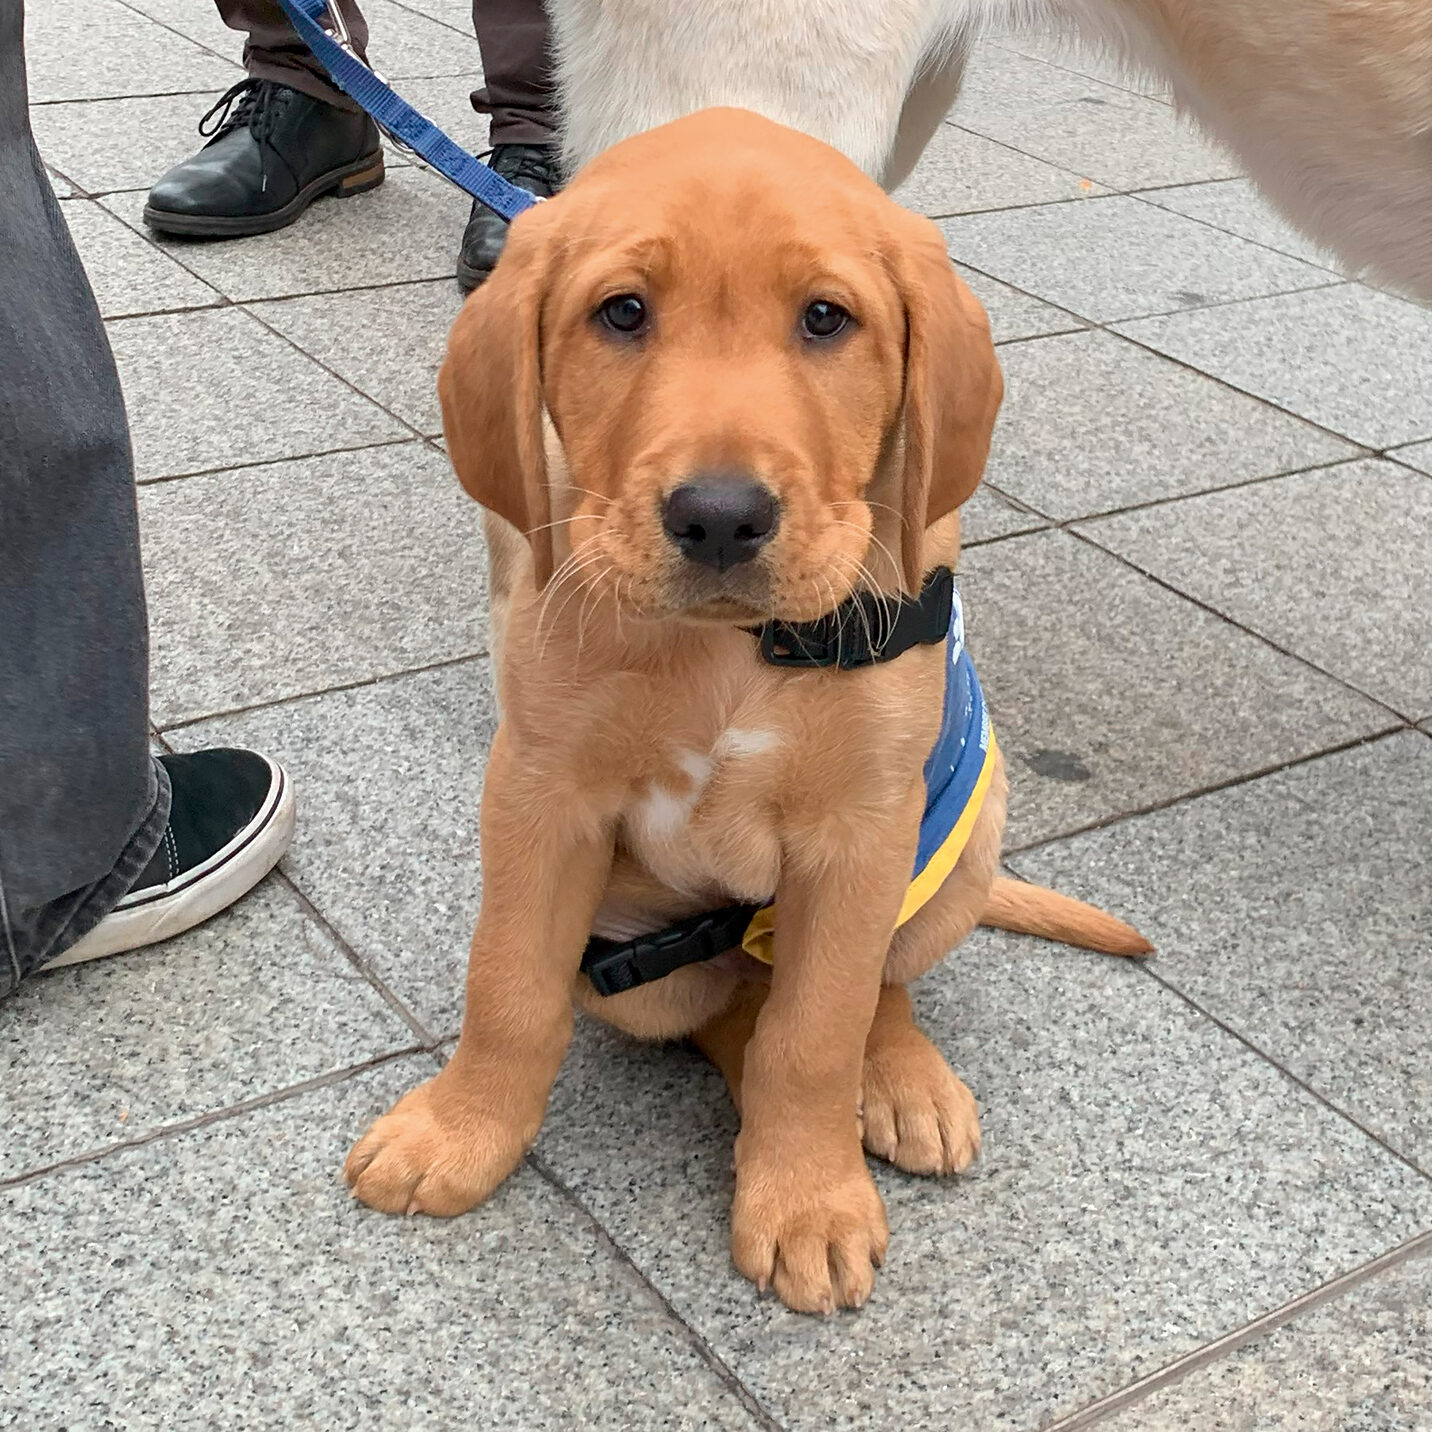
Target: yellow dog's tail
{"x":1033,"y":910}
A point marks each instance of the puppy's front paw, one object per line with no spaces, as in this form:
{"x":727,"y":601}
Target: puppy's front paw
{"x":916,"y":1111}
{"x":813,"y":1237}
{"x":435,"y":1151}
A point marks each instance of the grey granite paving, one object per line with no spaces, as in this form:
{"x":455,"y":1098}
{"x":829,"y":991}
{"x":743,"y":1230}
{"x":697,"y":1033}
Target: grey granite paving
{"x":1199,"y":612}
{"x":405,"y":587}
{"x":1236,"y":207}
{"x":92,"y":141}
{"x":1293,"y":910}
{"x":408,"y":228}
{"x":224,"y":1279}
{"x":1419,"y":455}
{"x":387,"y":342}
{"x":1335,"y":565}
{"x":1353,"y":359}
{"x":989,"y":515}
{"x":1359,"y":1363}
{"x":1014,"y":315}
{"x":1113,"y":136}
{"x":1147,"y":1183}
{"x":1182,"y":699}
{"x":1115,"y":257}
{"x":100,"y":49}
{"x":193,"y":383}
{"x":129,"y":275}
{"x":1091,"y":422}
{"x":256,"y":1000}
{"x":391,"y":778}
{"x":962,"y":173}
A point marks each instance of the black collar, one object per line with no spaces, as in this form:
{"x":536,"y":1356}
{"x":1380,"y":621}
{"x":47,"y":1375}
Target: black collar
{"x":866,"y":628}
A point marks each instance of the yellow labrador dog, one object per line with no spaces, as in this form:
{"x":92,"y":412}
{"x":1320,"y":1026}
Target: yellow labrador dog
{"x":1326,"y":103}
{"x":723,"y":399}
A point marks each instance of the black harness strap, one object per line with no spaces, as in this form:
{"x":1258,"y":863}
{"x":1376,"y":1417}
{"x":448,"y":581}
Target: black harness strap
{"x":617,"y":965}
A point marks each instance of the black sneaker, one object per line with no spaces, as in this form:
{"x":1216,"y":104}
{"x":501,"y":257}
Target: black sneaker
{"x":534,"y":167}
{"x":273,"y":152}
{"x":230,"y":819}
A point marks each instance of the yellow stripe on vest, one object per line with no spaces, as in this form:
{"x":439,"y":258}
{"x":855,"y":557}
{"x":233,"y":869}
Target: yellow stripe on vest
{"x":760,"y":933}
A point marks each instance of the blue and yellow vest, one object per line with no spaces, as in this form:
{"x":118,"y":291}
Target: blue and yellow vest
{"x":958,"y":773}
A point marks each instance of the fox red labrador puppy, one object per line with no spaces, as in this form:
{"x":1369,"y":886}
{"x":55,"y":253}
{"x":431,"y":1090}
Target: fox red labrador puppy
{"x":723,"y":398}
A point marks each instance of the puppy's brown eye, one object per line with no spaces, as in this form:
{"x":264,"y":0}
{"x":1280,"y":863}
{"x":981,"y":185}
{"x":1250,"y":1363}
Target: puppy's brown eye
{"x":823,"y":319}
{"x":626,"y":314}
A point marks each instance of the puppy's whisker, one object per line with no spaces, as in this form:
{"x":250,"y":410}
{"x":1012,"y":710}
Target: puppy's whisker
{"x":866,"y":502}
{"x":866,"y":575}
{"x":562,"y":521}
{"x":573,"y":567}
{"x":860,"y":606}
{"x":594,"y":593}
{"x":600,"y":496}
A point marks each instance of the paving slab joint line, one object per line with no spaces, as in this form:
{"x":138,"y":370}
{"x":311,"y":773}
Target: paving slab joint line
{"x":1176,"y":1371}
{"x":427,"y":1039}
{"x":357,"y":685}
{"x":1150,"y":971}
{"x":188,"y":39}
{"x":172,"y":251}
{"x":1169,"y":499}
{"x":464,"y":31}
{"x":1092,"y":325}
{"x":242,"y":466}
{"x":1168,"y":586}
{"x":215,"y":1116}
{"x":1104,"y":822}
{"x":1138,"y":194}
{"x":332,"y":372}
{"x":704,"y":1350}
{"x":1075,"y":48}
{"x":1334,"y":281}
{"x":118,"y":98}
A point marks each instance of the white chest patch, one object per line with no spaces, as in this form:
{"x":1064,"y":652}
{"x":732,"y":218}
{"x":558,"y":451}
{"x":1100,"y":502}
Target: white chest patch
{"x":662,"y":814}
{"x":736,"y":742}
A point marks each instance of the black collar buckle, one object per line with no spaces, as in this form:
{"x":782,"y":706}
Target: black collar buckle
{"x":864,"y":629}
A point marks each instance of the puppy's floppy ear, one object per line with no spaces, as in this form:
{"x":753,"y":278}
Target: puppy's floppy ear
{"x":491,"y":390}
{"x":953,"y":386}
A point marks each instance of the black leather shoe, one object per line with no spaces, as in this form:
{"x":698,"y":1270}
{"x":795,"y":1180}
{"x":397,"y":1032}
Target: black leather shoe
{"x":274,"y":151}
{"x":534,"y":167}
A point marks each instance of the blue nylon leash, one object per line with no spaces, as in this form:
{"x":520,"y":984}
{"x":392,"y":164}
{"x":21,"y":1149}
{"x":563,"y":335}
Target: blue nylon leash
{"x":394,"y":115}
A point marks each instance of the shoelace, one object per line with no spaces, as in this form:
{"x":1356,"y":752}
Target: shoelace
{"x":252,"y":103}
{"x":536,"y":163}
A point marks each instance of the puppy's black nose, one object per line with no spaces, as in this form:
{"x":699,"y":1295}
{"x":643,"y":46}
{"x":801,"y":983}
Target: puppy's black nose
{"x":721,"y":520}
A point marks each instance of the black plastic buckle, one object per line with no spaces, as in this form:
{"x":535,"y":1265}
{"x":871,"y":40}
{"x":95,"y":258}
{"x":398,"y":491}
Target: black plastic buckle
{"x":614,"y":966}
{"x":864,"y":629}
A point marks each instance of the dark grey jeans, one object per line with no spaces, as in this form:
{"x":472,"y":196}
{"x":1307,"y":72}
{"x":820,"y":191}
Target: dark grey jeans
{"x":82,"y":804}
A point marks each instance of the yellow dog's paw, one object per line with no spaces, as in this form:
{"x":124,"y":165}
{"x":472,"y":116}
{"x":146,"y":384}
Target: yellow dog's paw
{"x":916,"y":1111}
{"x":816,"y":1242}
{"x":433,"y":1152}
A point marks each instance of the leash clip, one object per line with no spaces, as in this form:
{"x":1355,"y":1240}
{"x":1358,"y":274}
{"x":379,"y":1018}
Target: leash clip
{"x":337,"y":26}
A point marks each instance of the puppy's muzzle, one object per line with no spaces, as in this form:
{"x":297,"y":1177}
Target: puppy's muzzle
{"x":720,"y":520}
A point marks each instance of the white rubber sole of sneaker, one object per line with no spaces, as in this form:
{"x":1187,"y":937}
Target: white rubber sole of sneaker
{"x":160,"y":914}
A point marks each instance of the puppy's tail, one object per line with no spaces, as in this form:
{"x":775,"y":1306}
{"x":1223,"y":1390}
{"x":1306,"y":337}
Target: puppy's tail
{"x":1033,"y":910}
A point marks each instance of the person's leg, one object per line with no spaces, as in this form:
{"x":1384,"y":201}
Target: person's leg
{"x":520,"y":100}
{"x":273,"y":50}
{"x":518,"y":95}
{"x":282,"y":138}
{"x":82,"y":806}
{"x":88,"y":820}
